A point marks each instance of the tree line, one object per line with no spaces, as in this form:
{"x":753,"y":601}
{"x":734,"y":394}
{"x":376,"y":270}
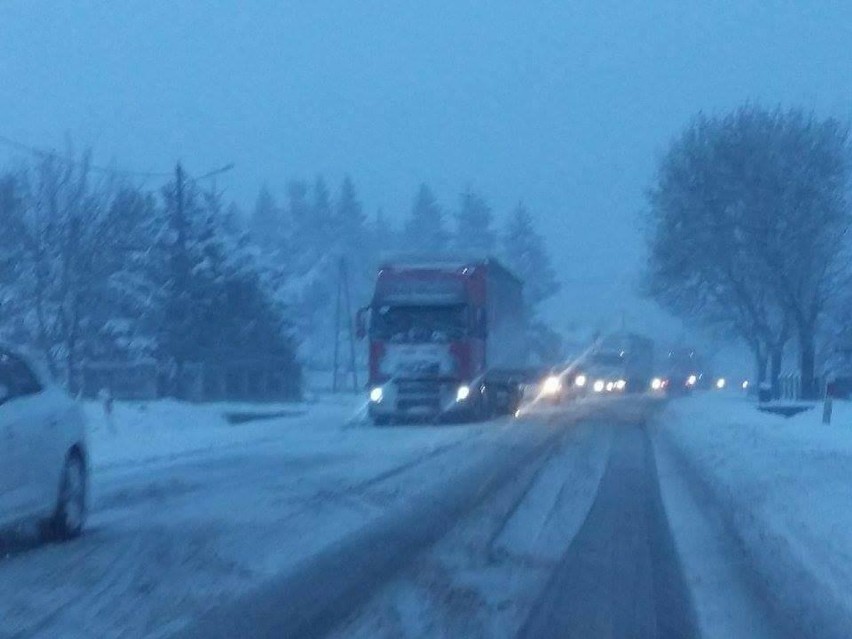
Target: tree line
{"x":306,"y":229}
{"x":747,"y":234}
{"x":95,"y":267}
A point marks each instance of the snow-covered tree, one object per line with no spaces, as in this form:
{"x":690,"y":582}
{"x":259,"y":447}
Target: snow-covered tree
{"x":524,"y":252}
{"x":473,"y":225}
{"x":268,"y":225}
{"x":384,"y":238}
{"x":302,"y":237}
{"x":322,"y":227}
{"x":78,"y":272}
{"x":747,"y":222}
{"x":217,"y":306}
{"x":349,"y":219}
{"x":425,"y":228}
{"x":526,"y":255}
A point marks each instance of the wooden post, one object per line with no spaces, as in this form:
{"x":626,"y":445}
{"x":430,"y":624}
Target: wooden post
{"x":827,"y":404}
{"x":337,"y":331}
{"x":350,"y":333}
{"x":826,"y":410}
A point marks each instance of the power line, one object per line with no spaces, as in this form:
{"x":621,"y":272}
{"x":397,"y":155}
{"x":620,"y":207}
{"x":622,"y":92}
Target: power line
{"x":40,"y":153}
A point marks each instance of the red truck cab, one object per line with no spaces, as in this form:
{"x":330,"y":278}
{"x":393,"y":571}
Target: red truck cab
{"x":444,"y":338}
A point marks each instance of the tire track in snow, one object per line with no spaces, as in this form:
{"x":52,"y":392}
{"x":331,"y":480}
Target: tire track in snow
{"x":121,"y":572}
{"x":326,"y":588}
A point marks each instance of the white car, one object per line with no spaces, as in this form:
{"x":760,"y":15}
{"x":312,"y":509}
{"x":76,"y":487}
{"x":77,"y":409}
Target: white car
{"x":43,"y":457}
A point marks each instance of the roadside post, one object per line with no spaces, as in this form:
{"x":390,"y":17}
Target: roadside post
{"x":827,"y":403}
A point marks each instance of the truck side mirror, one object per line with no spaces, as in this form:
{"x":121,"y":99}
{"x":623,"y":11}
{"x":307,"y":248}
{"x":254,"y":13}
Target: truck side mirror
{"x":361,"y":322}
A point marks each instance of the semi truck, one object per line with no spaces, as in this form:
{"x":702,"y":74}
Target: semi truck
{"x":619,"y":362}
{"x":446,"y":339}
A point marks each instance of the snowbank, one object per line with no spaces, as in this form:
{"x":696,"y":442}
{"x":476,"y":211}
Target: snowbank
{"x":147,"y":432}
{"x":784,"y":487}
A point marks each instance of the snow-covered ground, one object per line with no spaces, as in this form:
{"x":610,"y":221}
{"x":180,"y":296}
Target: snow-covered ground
{"x":189,"y":510}
{"x":483,"y":577}
{"x":783,"y":488}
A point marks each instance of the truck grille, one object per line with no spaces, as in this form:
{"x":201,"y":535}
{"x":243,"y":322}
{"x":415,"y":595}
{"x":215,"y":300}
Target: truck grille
{"x":418,"y":394}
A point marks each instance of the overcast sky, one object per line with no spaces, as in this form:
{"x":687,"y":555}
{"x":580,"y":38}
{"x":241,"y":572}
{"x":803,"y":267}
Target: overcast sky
{"x":565,"y":105}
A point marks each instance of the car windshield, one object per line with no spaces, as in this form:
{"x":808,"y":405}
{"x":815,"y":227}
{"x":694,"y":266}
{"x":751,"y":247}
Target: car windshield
{"x":425,"y":318}
{"x":16,"y":378}
{"x":418,"y":324}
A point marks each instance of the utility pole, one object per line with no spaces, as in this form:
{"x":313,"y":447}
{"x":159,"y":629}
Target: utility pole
{"x":179,"y":275}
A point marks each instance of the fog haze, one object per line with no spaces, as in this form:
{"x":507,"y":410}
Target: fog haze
{"x":565,"y":106}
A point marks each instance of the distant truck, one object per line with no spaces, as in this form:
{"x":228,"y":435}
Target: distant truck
{"x":446,"y":339}
{"x":619,"y":362}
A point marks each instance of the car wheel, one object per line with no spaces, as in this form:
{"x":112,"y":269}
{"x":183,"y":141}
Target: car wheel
{"x":70,"y":514}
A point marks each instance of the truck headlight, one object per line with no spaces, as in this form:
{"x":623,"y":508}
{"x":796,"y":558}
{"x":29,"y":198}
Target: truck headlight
{"x":552,"y":385}
{"x":621,"y":384}
{"x":580,"y":381}
{"x":609,"y":387}
{"x":376,"y":394}
{"x":656,"y":384}
{"x":692,"y":380}
{"x":462,"y":393}
{"x":599,"y":385}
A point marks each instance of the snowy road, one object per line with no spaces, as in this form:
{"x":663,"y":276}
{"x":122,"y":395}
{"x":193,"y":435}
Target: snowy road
{"x":621,"y":576}
{"x":579,"y":521}
{"x":173,"y":536}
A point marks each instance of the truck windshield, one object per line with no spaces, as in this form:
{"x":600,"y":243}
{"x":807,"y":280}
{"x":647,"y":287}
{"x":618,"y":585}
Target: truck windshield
{"x":419,"y":324}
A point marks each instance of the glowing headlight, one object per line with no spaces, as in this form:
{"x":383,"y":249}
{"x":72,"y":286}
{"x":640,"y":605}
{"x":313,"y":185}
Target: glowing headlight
{"x":692,"y":380}
{"x":598,"y":386}
{"x":552,"y":385}
{"x":621,"y":384}
{"x":462,"y":393}
{"x":656,"y":383}
{"x":580,"y":381}
{"x":745,"y":385}
{"x":609,"y":387}
{"x":376,"y":394}
{"x":720,"y":383}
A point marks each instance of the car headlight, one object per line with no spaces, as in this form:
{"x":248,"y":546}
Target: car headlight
{"x":376,"y":394}
{"x":656,"y":383}
{"x":580,"y":381}
{"x":552,"y":385}
{"x":462,"y":393}
{"x":599,"y":385}
{"x":692,"y":380}
{"x":609,"y":387}
{"x":720,"y":383}
{"x":621,"y":384}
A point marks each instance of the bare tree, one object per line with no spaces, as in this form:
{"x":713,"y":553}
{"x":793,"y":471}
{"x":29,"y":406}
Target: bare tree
{"x":746,"y":226}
